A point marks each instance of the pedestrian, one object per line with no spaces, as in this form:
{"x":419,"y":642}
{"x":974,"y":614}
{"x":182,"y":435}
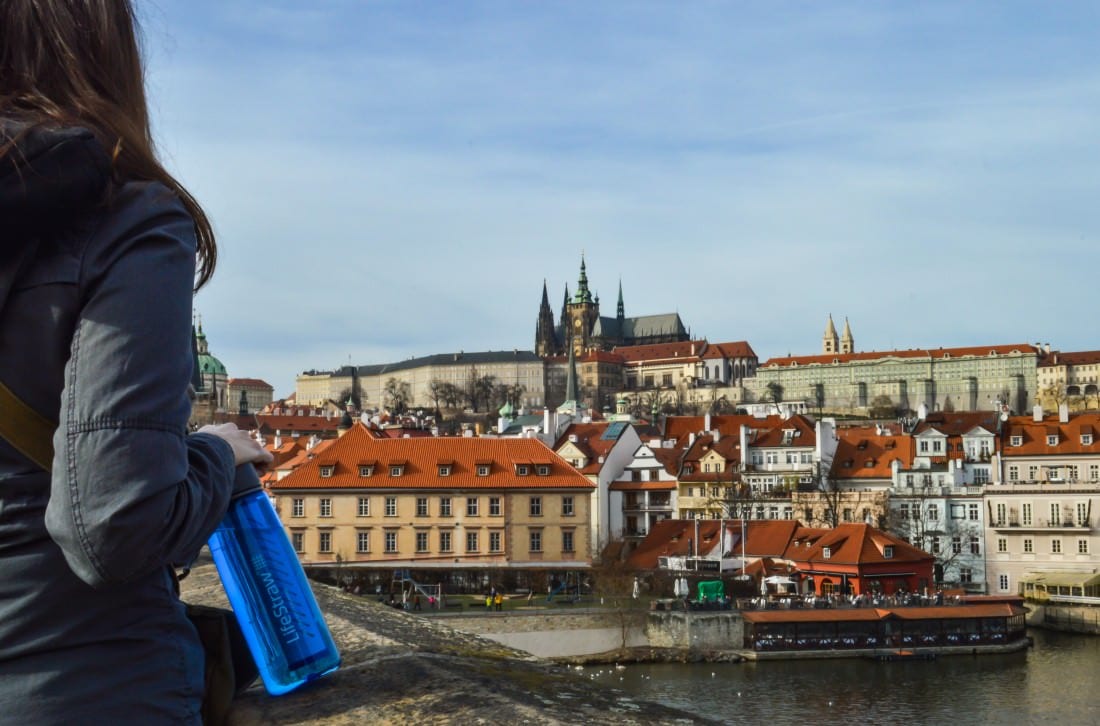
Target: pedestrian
{"x":416,"y":601}
{"x":498,"y":600}
{"x":97,"y":274}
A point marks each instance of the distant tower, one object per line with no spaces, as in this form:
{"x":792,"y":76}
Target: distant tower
{"x":583,"y":312}
{"x":620,"y":310}
{"x":546,"y":343}
{"x":242,"y":405}
{"x":847,"y":344}
{"x":830,"y":344}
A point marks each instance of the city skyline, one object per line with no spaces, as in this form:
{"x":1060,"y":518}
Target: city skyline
{"x":393,"y":180}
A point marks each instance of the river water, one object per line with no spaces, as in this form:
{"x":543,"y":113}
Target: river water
{"x":1056,"y":682}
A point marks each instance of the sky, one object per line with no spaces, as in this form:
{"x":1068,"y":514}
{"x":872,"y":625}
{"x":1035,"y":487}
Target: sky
{"x":390,"y":179}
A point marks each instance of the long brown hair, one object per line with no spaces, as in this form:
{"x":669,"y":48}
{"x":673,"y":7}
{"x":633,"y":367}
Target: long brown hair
{"x":78,"y":62}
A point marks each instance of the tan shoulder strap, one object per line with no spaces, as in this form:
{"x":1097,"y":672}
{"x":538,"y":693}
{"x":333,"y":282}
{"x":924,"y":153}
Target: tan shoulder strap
{"x":28,"y":431}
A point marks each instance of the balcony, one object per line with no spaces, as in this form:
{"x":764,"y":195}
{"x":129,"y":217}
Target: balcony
{"x":1041,"y":525}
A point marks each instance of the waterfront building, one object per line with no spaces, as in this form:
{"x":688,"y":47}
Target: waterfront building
{"x":455,"y":504}
{"x":600,"y":451}
{"x":856,"y":559}
{"x":1041,"y":510}
{"x":645,"y":492}
{"x":897,"y":381}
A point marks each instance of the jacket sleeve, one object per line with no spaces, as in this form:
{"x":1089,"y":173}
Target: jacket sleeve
{"x":131,"y":492}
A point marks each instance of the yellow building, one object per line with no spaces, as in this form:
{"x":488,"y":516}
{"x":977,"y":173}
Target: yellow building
{"x":437,"y":503}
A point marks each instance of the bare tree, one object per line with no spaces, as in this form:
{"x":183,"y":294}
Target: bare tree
{"x":774,"y":394}
{"x":357,"y":399}
{"x":397,"y":394}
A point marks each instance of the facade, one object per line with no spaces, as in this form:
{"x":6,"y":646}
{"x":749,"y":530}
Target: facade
{"x":960,"y":379}
{"x":582,"y":327}
{"x":212,"y":373}
{"x":436,"y":504}
{"x":853,"y":559}
{"x":248,"y":395}
{"x":511,"y":367}
{"x":645,"y":494}
{"x":1072,"y":378}
{"x":1041,"y":513}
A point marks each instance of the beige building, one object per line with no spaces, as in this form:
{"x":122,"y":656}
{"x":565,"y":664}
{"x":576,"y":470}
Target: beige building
{"x":1041,"y":513}
{"x":257,"y":394}
{"x":511,"y":367}
{"x":437,"y":503}
{"x":1072,"y":378}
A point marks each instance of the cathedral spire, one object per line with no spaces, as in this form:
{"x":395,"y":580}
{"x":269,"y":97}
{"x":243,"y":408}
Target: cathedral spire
{"x":583,"y":295}
{"x":829,"y":343}
{"x":847,"y":343}
{"x":620,"y":311}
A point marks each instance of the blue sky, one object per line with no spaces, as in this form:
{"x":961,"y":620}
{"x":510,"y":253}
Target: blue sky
{"x":391,"y":179}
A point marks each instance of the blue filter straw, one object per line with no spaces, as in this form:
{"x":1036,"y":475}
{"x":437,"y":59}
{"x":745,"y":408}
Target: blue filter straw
{"x":270,"y":595}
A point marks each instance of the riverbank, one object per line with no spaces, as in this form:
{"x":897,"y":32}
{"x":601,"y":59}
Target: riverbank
{"x":1081,"y":619}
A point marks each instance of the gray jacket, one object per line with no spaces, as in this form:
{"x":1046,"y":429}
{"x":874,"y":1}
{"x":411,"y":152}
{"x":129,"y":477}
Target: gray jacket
{"x":95,"y":334}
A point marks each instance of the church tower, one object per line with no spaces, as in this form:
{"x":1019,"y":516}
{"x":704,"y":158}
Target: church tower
{"x":830,"y":344}
{"x":847,"y":344}
{"x":546,"y":339}
{"x":583,"y":312}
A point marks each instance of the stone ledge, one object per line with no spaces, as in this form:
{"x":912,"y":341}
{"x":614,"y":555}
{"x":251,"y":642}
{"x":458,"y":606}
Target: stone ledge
{"x":400,"y":668}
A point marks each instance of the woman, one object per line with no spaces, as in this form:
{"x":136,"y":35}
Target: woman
{"x":98,"y":247}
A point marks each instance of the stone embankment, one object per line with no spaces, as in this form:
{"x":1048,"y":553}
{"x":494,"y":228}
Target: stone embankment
{"x":1065,"y":618}
{"x":400,"y":668}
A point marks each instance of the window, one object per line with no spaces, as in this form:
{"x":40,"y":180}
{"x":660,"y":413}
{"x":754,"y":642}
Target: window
{"x":1002,"y":545}
{"x":362,"y":542}
{"x":483,"y":470}
{"x":445,"y":540}
{"x":365,"y":470}
{"x":788,"y":513}
{"x":444,"y":506}
{"x":444,"y":469}
{"x":298,"y":540}
{"x":364,"y":506}
{"x":567,"y":506}
{"x":395,"y":470}
{"x":1056,"y":545}
{"x":536,"y":506}
{"x":324,"y":543}
{"x":1094,"y":472}
{"x":972,"y":512}
{"x":471,"y":541}
{"x":826,"y":552}
{"x":888,"y":552}
{"x":981,"y":475}
{"x":1082,"y":546}
{"x":1025,"y":508}
{"x":933,"y":512}
{"x":494,"y":542}
{"x":1014,"y":473}
{"x":1086,"y":439}
{"x":757,"y":457}
{"x":391,"y":506}
{"x":966,"y":575}
{"x":937,"y":446}
{"x":422,"y":506}
{"x":1016,"y":441}
{"x":391,"y":542}
{"x":666,"y":380}
{"x":298,"y":508}
{"x":1029,"y":545}
{"x":522,"y":470}
{"x":923,"y":447}
{"x":494,"y":506}
{"x":567,"y":541}
{"x":1002,"y":582}
{"x":903,"y":511}
{"x":542,"y":470}
{"x":956,"y":545}
{"x":909,"y":480}
{"x":326,"y":507}
{"x":1082,"y":513}
{"x":975,"y":545}
{"x":773,"y":457}
{"x":1055,"y":514}
{"x":471,"y":506}
{"x":326,"y":471}
{"x":536,"y":541}
{"x":421,"y":541}
{"x":935,"y":545}
{"x":1052,"y":440}
{"x":847,"y":514}
{"x":958,"y":511}
{"x":714,"y":492}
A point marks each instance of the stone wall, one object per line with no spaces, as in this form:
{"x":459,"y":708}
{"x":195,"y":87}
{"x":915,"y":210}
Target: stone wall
{"x":1065,"y":618}
{"x":695,"y":630}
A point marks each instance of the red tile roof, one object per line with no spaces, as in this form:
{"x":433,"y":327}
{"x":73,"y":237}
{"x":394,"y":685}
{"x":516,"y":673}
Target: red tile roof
{"x":862,"y":454}
{"x":1034,"y":435}
{"x":678,"y":427}
{"x":852,"y":544}
{"x":1077,"y":358}
{"x":772,"y":435}
{"x":636,"y":354}
{"x":766,"y":538}
{"x":738,"y":349}
{"x":255,"y":382}
{"x":308,"y":424}
{"x":937,"y":354}
{"x":421,"y":458}
{"x":643,"y":486}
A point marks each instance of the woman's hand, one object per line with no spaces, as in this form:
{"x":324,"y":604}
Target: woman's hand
{"x":245,"y":449}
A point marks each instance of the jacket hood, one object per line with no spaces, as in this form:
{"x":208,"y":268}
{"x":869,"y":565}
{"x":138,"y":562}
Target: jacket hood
{"x":49,"y":176}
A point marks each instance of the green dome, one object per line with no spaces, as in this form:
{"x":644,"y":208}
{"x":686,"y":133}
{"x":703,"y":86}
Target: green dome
{"x":210,"y":364}
{"x":506,"y":409}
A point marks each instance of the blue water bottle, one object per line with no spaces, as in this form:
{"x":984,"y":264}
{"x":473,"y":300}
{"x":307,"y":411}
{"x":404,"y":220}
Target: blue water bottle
{"x":268,"y":590}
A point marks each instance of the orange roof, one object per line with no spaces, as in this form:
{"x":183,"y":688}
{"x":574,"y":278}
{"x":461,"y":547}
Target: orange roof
{"x":678,"y":427}
{"x":766,"y":538}
{"x":1034,"y":435}
{"x":249,"y":382}
{"x":422,"y":457}
{"x":772,"y":433}
{"x":738,"y":349}
{"x":862,"y":454}
{"x":637,"y":354}
{"x":953,"y":612}
{"x":851,"y":544}
{"x":643,"y":486}
{"x":937,"y":354}
{"x":271,"y":422}
{"x":1058,"y":358}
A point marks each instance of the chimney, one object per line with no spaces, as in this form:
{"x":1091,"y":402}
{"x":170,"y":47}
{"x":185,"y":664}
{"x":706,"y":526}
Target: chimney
{"x":717,"y":435}
{"x":706,"y":421}
{"x":278,"y":438}
{"x":691,"y":439}
{"x":1046,"y":348}
{"x":1037,"y":413}
{"x":1063,"y":412}
{"x":572,"y":438}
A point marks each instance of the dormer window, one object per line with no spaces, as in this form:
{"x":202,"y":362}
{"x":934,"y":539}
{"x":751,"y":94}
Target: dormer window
{"x":1086,"y":439}
{"x":397,"y":469}
{"x":366,"y":470}
{"x":1016,"y":441}
{"x":444,"y":469}
{"x":826,"y":552}
{"x":483,"y":470}
{"x":1052,"y":440}
{"x":888,"y":552}
{"x":543,"y":470}
{"x":327,"y":470}
{"x":522,"y":470}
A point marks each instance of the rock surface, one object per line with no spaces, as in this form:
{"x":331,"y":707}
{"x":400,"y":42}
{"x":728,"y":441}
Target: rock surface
{"x":400,"y":668}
